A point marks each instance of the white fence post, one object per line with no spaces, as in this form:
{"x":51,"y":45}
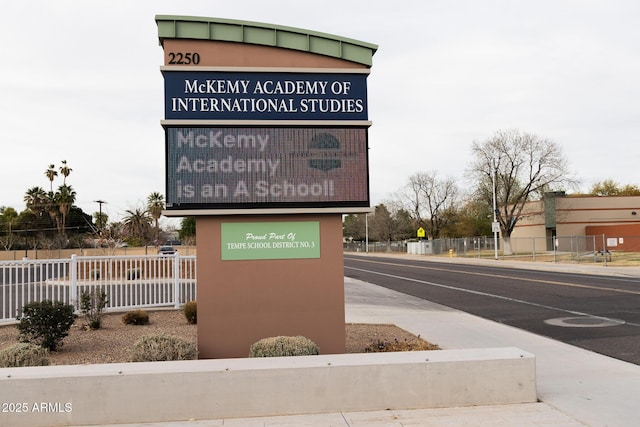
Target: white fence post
{"x":73,"y":280}
{"x":176,"y":280}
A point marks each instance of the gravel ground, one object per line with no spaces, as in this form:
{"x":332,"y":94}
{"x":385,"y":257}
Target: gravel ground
{"x":112,"y":342}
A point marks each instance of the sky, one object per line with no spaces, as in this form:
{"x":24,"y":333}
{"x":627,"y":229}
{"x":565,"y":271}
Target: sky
{"x":81,"y":82}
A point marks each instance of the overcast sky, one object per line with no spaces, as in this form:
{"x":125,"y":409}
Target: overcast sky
{"x":81,"y":82}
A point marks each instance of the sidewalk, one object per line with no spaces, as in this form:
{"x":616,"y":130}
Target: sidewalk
{"x":575,"y":387}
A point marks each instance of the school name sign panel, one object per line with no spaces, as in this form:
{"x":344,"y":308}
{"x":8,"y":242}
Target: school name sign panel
{"x":245,"y":167}
{"x":207,"y":95}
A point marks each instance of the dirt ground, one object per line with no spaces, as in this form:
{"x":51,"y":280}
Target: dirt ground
{"x":112,"y":342}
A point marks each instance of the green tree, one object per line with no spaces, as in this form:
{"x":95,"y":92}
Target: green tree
{"x":65,"y":197}
{"x":39,"y":214}
{"x":57,"y":205}
{"x":51,"y":174}
{"x":65,"y":171}
{"x":381,"y":224}
{"x":630,"y":190}
{"x":354,"y":227}
{"x":101,"y":219}
{"x":137,"y":225}
{"x":405,"y":226}
{"x":52,"y":208}
{"x":8,"y":222}
{"x":472,"y":219}
{"x":155,"y":206}
{"x":187,"y":229}
{"x":35,"y":200}
{"x":609,"y":187}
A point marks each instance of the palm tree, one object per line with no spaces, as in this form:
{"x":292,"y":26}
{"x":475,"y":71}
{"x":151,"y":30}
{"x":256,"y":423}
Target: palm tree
{"x":155,"y":206}
{"x":35,"y":199}
{"x":65,"y":197}
{"x":51,"y":174}
{"x":65,"y":171}
{"x":137,"y":223}
{"x":52,"y":208}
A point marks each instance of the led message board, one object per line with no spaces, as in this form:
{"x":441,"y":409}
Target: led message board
{"x":250,"y":167}
{"x":210,"y":95}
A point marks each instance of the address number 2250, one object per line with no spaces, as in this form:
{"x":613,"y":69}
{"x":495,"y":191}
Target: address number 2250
{"x":179,"y":58}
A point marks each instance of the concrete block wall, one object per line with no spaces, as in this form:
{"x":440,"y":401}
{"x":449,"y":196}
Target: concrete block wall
{"x":228,"y":388}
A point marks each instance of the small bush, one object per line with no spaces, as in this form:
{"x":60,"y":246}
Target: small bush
{"x":92,"y":304}
{"x":190,"y":310}
{"x":384,"y":346}
{"x":136,"y":317}
{"x":284,"y":346}
{"x":133,"y":273}
{"x":24,"y":354}
{"x":154,"y":348}
{"x":45,"y":323}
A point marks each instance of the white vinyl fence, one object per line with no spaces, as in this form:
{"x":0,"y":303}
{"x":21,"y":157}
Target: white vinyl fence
{"x":146,"y":281}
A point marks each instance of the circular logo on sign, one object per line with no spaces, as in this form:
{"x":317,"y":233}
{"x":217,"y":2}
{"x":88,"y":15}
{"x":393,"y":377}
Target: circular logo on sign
{"x":326,"y":149}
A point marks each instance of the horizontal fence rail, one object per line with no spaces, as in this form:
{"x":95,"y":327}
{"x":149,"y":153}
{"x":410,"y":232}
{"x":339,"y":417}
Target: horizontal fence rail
{"x":144,"y":281}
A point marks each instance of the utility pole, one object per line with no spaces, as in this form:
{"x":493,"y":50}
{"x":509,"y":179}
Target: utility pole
{"x":100,"y":225}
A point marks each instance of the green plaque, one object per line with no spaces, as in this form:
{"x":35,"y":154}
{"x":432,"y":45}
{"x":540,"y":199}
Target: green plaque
{"x":270,"y":240}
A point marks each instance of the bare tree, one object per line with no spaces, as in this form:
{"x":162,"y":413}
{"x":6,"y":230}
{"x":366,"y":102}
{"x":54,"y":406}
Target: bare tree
{"x":431,"y":201}
{"x":525,"y":165}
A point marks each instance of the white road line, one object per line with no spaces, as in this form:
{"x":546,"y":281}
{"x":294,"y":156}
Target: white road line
{"x":486,"y":294}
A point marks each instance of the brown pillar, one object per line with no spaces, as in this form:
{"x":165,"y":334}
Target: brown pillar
{"x":243,"y":301}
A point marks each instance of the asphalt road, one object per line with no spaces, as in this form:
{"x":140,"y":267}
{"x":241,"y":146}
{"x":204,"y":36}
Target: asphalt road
{"x":599,"y":313}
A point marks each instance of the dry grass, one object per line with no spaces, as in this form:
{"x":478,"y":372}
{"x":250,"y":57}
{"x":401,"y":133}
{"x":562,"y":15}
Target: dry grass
{"x":111,"y":343}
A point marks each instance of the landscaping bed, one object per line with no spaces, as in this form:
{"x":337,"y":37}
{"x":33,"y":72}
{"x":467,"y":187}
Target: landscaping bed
{"x":112,"y":343}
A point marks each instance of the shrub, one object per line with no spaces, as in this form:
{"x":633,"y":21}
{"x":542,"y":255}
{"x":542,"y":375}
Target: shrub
{"x":92,"y":304}
{"x":133,"y":273}
{"x":24,"y":354}
{"x":284,"y":346}
{"x":153,"y":348}
{"x":190,"y":310}
{"x":45,"y":323}
{"x":136,"y":317}
{"x":417,"y":344}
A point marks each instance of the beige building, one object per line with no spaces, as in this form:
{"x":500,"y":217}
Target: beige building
{"x":615,"y":221}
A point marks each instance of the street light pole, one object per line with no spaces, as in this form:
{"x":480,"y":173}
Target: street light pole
{"x":494,"y":225}
{"x":366,"y":233}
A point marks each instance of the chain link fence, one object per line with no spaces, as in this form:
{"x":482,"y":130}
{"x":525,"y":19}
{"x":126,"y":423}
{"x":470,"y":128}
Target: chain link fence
{"x":576,"y":249}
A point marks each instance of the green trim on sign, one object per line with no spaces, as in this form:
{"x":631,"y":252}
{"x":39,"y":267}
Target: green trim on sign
{"x":199,"y":28}
{"x":270,"y":240}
